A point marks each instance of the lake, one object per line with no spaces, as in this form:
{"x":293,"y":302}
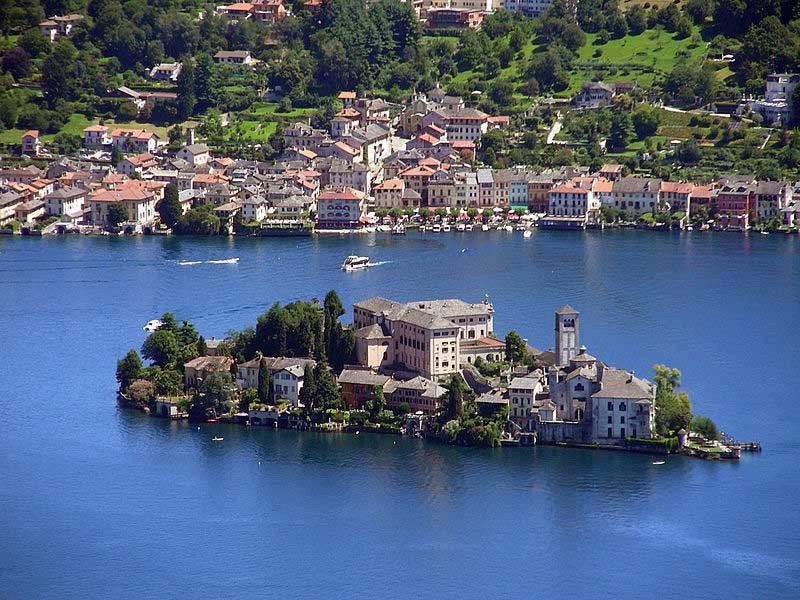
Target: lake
{"x":99,"y":502}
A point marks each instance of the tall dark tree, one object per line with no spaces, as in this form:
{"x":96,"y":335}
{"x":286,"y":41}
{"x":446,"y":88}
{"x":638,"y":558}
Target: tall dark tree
{"x":454,"y":407}
{"x":264,"y":383}
{"x":327,"y":390}
{"x":169,"y":209}
{"x":186,"y":91}
{"x":308,"y":393}
{"x":59,"y":80}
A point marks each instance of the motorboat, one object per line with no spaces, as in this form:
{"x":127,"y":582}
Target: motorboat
{"x":217,"y":439}
{"x":436,"y":228}
{"x":527,"y":233}
{"x":461,"y":227}
{"x":659,"y":462}
{"x":469,"y":227}
{"x":508,"y":228}
{"x":383,"y":229}
{"x":355,"y":263}
{"x":152,"y":325}
{"x":445,"y":227}
{"x":399,"y":229}
{"x":765,"y":233}
{"x":484,"y":228}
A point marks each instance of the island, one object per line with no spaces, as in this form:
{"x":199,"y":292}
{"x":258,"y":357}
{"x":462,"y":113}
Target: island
{"x":431,"y":368}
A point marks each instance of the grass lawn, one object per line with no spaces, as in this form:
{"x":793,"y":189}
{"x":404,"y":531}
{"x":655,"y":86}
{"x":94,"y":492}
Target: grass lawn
{"x":640,"y":58}
{"x":251,"y":131}
{"x":269,"y":109}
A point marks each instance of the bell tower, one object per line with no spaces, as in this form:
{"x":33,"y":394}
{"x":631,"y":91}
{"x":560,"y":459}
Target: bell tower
{"x":567,"y":334}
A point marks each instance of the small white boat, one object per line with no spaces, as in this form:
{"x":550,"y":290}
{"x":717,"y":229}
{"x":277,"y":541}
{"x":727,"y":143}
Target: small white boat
{"x":217,"y":439}
{"x":224,"y":261}
{"x":152,"y":325}
{"x":383,"y":229}
{"x":469,"y":227}
{"x":461,"y":227}
{"x":690,"y":228}
{"x":445,"y":227}
{"x":484,"y":228}
{"x":659,"y":462}
{"x":508,"y":228}
{"x":355,"y":263}
{"x":527,"y":233}
{"x":436,"y":228}
{"x":765,"y":233}
{"x":399,"y":230}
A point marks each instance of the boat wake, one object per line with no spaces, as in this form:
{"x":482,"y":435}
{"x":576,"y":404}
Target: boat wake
{"x":380,"y":262}
{"x":224,"y":261}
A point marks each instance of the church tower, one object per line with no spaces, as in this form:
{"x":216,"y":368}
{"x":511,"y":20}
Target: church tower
{"x":567,"y":335}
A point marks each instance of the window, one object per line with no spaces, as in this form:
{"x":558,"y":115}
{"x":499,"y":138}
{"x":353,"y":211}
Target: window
{"x":610,"y":420}
{"x":622,"y":406}
{"x":622,"y":420}
{"x":609,"y":433}
{"x":611,"y":406}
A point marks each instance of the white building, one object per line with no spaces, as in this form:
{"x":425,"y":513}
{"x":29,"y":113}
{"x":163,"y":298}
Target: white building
{"x":196,"y":155}
{"x":66,"y":202}
{"x":531,"y":8}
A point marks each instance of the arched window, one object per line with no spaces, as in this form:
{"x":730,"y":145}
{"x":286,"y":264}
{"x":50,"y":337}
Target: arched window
{"x":622,"y":406}
{"x":579,"y":387}
{"x":611,"y":406}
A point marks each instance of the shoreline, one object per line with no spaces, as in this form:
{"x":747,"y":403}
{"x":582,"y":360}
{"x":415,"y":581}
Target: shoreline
{"x":333,"y":428}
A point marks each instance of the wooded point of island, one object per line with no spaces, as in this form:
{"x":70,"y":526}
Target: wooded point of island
{"x":431,"y":368}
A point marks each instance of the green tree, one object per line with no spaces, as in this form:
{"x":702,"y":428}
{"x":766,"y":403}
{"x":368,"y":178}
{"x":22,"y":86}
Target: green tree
{"x":169,"y":209}
{"x":117,"y":213}
{"x":186,"y":91}
{"x":646,"y":120}
{"x":161,"y":348}
{"x":705,"y":427}
{"x":327,"y":389}
{"x":17,"y":62}
{"x":59,"y":82}
{"x":265,"y":390}
{"x":378,"y":403}
{"x":206,"y":83}
{"x":673,"y":408}
{"x":516,"y":349}
{"x":129,"y":369}
{"x":308,"y":392}
{"x":454,"y":407}
{"x":621,"y":130}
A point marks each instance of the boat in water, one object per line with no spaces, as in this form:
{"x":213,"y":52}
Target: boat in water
{"x":152,"y":325}
{"x":224,"y":261}
{"x":468,"y":227}
{"x":484,"y":228}
{"x":527,"y":233}
{"x":436,"y":228}
{"x":445,"y":227}
{"x":383,"y":229}
{"x":399,"y":229}
{"x":217,"y":439}
{"x":355,"y":263}
{"x":659,"y":462}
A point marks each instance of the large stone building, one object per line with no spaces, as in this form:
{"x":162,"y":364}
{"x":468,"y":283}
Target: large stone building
{"x":424,"y":337}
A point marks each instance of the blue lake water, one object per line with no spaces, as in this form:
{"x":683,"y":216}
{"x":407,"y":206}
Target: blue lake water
{"x":97,"y":502}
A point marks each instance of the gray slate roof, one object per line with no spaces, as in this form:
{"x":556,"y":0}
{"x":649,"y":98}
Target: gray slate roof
{"x":617,"y":383}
